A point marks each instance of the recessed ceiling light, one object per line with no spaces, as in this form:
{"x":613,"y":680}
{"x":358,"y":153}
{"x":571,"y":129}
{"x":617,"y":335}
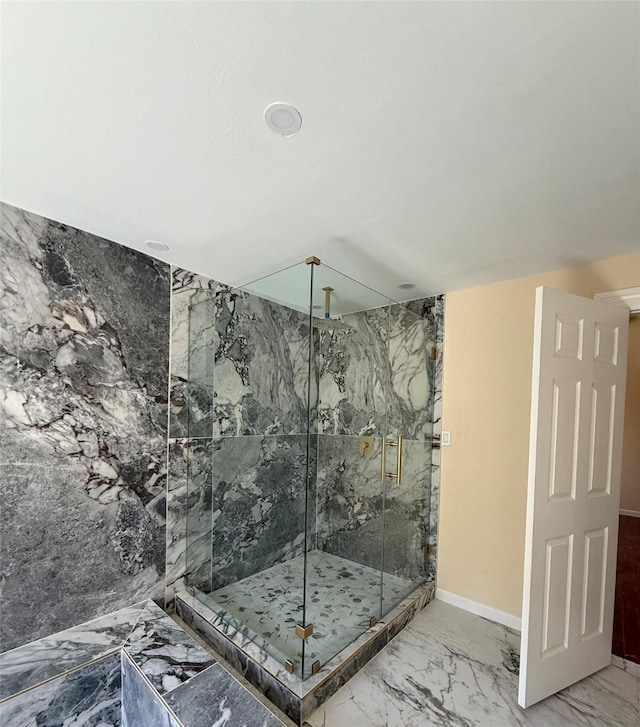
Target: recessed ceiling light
{"x":406,"y":286}
{"x":154,"y":245}
{"x":283,"y":118}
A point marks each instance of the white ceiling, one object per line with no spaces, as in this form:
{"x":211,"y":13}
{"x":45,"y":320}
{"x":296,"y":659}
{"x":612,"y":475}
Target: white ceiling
{"x":444,"y":143}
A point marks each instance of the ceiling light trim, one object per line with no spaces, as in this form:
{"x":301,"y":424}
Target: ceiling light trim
{"x":283,"y":118}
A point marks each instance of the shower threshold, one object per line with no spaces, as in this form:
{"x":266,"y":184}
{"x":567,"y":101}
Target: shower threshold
{"x":339,"y":600}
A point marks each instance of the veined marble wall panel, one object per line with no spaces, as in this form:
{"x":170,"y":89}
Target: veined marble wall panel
{"x":375,"y":378}
{"x":189,"y":407}
{"x":354,"y":375}
{"x":190,"y":410}
{"x":410,"y":397}
{"x":352,"y":499}
{"x":349,"y":504}
{"x":84,"y":339}
{"x":257,"y":503}
{"x":432,"y":310}
{"x":261,"y":367}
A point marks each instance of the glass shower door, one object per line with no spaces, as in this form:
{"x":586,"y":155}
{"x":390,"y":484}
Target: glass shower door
{"x":351,"y":326}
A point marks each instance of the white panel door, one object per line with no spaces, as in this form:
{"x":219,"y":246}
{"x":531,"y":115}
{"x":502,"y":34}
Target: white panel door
{"x":577,"y":407}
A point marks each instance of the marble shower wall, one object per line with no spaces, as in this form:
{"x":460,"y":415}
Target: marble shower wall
{"x":84,"y":342}
{"x":396,"y":392}
{"x":238,"y":427}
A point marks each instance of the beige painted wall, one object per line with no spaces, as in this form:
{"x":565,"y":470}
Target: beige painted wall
{"x":488,"y":351}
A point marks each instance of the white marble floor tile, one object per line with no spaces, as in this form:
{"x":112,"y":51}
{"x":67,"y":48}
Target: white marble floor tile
{"x":450,"y":668}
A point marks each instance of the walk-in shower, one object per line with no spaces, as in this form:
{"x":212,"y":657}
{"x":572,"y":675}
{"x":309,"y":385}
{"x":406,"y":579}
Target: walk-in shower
{"x":309,"y":467}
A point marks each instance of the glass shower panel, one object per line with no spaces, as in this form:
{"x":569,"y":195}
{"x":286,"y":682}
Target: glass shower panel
{"x":343,"y":569}
{"x":260,"y":460}
{"x":410,"y":417}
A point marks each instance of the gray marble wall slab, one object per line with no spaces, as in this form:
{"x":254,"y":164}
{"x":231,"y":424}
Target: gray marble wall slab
{"x":84,"y":344}
{"x":89,"y":696}
{"x":187,"y":410}
{"x":432,"y":310}
{"x":350,"y":496}
{"x":257,"y":504}
{"x":359,"y":515}
{"x":377,"y":377}
{"x":242,"y":510}
{"x":190,"y":409}
{"x":354,"y":375}
{"x":261,"y":367}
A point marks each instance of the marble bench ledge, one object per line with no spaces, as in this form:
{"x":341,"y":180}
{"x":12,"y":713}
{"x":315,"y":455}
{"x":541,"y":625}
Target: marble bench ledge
{"x":163,"y":651}
{"x":212,"y":697}
{"x":136,"y":662}
{"x":26,"y":666}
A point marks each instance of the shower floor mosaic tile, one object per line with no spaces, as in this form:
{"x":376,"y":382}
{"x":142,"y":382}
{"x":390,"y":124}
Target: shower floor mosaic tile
{"x":341,"y":598}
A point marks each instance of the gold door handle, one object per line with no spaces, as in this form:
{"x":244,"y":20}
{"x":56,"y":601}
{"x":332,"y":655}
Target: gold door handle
{"x":397,"y":475}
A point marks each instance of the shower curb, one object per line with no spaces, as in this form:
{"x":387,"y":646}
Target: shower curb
{"x":298,"y":698}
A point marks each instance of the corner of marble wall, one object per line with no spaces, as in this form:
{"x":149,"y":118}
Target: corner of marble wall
{"x":432,"y":309}
{"x":83,"y":405}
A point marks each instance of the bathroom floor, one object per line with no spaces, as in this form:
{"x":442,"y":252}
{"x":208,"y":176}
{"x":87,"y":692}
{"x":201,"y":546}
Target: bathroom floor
{"x":341,"y":598}
{"x":450,"y":668}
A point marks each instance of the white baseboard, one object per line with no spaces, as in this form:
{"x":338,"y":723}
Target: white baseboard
{"x":630,"y":513}
{"x":493,"y":614}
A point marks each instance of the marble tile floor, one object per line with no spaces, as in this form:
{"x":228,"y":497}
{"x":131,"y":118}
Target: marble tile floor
{"x":342,"y":596}
{"x":450,"y":668}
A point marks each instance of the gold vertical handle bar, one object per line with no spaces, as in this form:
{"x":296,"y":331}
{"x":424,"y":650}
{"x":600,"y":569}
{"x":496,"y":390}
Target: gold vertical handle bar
{"x":397,"y":475}
{"x":383,"y":457}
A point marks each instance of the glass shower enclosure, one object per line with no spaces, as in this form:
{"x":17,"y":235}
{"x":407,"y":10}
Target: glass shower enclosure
{"x":309,"y":465}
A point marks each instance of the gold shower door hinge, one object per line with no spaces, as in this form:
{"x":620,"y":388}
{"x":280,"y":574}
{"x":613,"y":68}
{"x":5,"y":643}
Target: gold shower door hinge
{"x":427,"y":550}
{"x":303,"y":632}
{"x":435,"y":353}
